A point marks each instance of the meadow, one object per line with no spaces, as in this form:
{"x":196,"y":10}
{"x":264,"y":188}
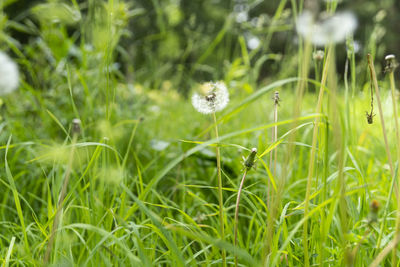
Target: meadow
{"x":199,"y":133}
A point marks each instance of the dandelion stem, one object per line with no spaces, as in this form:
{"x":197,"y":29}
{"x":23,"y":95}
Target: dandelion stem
{"x":220,"y":197}
{"x":248,"y":163}
{"x":276,"y":103}
{"x":273,"y":155}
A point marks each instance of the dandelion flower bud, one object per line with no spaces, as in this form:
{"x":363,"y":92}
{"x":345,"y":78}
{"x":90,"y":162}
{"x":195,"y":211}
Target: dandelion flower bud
{"x":214,"y":97}
{"x":331,"y":29}
{"x":8,"y":74}
{"x":249,"y":162}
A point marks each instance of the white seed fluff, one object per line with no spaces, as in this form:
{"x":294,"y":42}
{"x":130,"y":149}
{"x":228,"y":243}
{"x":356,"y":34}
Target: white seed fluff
{"x":332,"y":29}
{"x":390,"y":57}
{"x":215,"y":99}
{"x":9,"y":76}
{"x":253,"y":42}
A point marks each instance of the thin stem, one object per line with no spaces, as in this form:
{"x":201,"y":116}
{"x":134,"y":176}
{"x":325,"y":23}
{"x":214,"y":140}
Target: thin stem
{"x":324,"y":190}
{"x":237,"y":210}
{"x":61,"y":200}
{"x":220,"y":197}
{"x":396,"y":124}
{"x":373,"y":75}
{"x":357,"y":247}
{"x":392,"y":173}
{"x":273,"y":156}
{"x":129,"y":144}
{"x":392,"y":244}
{"x":385,"y":213}
{"x":276,"y":103}
{"x":312,"y":157}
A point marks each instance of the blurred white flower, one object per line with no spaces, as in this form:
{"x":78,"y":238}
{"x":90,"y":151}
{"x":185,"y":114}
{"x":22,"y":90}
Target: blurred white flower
{"x":9,"y":76}
{"x":357,"y":46}
{"x":332,"y":29}
{"x":318,"y":55}
{"x":214,"y":97}
{"x":253,"y":42}
{"x":159,"y":145}
{"x":242,"y":16}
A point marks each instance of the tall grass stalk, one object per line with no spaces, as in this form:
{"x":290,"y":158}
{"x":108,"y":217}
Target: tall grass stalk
{"x":312,"y":155}
{"x":384,"y":132}
{"x":273,"y":155}
{"x":16,"y":199}
{"x":381,"y":256}
{"x":61,"y":199}
{"x":378,"y":97}
{"x":340,"y":140}
{"x":276,"y":196}
{"x":9,"y":251}
{"x":324,"y":193}
{"x":220,"y":196}
{"x":275,"y":129}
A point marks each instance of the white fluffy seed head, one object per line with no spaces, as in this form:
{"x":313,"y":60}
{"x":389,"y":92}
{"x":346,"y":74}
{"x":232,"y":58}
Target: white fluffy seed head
{"x":332,"y":29}
{"x":253,"y":42}
{"x":9,"y":76}
{"x":213,"y":97}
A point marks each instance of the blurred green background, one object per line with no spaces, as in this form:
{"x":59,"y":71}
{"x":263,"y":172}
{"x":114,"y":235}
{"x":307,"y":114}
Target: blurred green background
{"x":189,"y":41}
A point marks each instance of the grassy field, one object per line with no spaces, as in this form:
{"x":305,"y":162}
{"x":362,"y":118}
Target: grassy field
{"x":107,"y":162}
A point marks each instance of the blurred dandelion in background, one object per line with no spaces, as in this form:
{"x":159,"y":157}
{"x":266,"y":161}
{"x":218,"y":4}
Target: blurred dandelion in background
{"x":327,"y":29}
{"x":253,"y":42}
{"x":213,"y":97}
{"x":9,"y":75}
{"x":241,"y":11}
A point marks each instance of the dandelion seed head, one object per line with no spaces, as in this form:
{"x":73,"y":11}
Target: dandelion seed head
{"x":390,"y":57}
{"x":212,"y":97}
{"x":9,"y":75}
{"x":391,"y":63}
{"x":242,"y":16}
{"x":331,"y":29}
